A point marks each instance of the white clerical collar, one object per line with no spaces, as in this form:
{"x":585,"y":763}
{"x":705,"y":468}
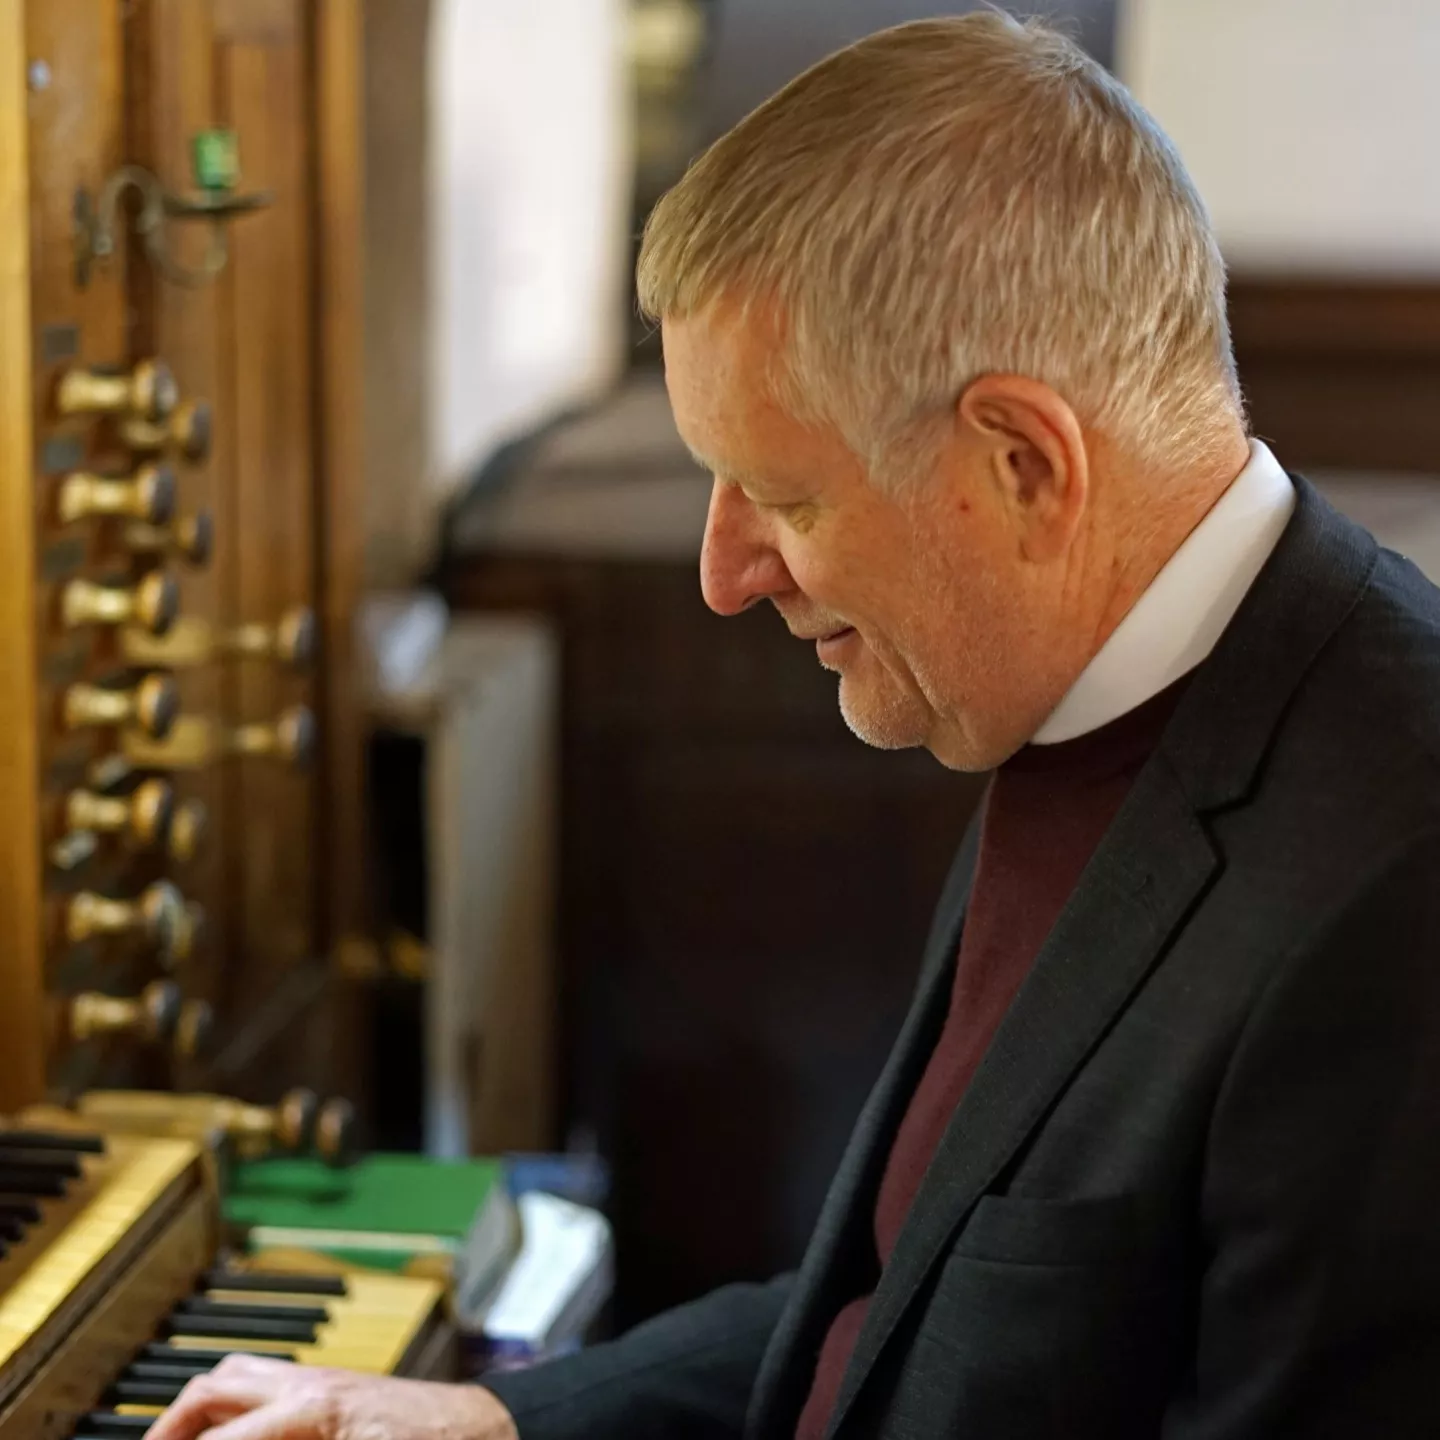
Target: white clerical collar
{"x":1174,"y":625}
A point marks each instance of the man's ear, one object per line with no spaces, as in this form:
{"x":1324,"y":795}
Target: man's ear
{"x":1036,"y":457}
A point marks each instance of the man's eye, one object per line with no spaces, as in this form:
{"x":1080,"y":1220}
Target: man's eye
{"x":799,"y":515}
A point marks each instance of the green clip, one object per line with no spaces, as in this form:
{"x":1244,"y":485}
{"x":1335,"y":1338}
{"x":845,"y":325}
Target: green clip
{"x":215,"y":155}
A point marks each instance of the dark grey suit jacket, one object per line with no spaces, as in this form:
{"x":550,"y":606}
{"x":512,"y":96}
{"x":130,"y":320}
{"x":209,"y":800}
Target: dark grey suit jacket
{"x":1193,"y":1191}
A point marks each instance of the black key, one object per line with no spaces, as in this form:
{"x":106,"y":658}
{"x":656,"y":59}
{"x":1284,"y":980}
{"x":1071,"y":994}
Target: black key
{"x":241,"y":1310}
{"x":17,"y":1181}
{"x":11,"y":1229}
{"x":108,"y":1423}
{"x":145,"y":1392}
{"x":27,"y":1212}
{"x":206,"y":1359}
{"x":158,"y":1370}
{"x":248,"y":1329}
{"x":46,"y":1161}
{"x":47,"y":1140}
{"x":248,"y":1280}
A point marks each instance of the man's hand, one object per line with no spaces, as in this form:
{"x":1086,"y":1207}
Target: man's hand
{"x":245,"y":1398}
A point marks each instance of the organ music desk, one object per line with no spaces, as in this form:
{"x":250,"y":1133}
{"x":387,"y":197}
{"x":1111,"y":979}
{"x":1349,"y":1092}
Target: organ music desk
{"x":113,"y":1291}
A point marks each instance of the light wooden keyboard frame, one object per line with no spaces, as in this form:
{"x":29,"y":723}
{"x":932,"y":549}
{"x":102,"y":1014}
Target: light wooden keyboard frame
{"x":72,"y":1379}
{"x":69,"y":1264}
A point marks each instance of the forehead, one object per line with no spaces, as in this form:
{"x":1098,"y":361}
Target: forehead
{"x":713,"y":367}
{"x":716,"y":369}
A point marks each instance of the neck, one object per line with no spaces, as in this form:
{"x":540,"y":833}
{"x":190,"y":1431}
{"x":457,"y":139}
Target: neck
{"x":1152,"y":516}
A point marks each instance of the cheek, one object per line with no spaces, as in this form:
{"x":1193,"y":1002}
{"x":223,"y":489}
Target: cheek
{"x":815,"y":571}
{"x":947,"y":626}
{"x":833,"y":564}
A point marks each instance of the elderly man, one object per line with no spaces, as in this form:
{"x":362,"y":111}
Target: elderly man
{"x":1157,"y":1152}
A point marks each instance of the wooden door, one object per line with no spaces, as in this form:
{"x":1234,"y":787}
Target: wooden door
{"x":265,"y":346}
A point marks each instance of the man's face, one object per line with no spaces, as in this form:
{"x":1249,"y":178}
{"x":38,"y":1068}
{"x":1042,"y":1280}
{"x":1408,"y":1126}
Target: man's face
{"x":908,"y":596}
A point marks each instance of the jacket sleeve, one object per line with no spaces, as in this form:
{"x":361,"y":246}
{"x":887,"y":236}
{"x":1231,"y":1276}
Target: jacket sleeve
{"x":1319,"y":1311}
{"x":687,"y":1372}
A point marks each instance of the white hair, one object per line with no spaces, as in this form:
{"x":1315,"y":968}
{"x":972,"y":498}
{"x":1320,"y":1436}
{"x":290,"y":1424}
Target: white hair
{"x":949,"y":199}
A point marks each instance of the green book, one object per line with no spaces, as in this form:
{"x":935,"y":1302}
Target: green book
{"x":383,"y":1212}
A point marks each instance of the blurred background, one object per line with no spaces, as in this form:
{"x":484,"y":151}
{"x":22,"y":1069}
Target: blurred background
{"x":740,"y":891}
{"x":322,"y":339}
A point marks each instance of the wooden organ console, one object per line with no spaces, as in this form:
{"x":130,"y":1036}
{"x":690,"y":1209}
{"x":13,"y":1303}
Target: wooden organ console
{"x":179,"y":497}
{"x":114,"y":1291}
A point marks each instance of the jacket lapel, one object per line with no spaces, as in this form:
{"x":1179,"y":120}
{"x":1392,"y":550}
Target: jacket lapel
{"x":1151,"y":868}
{"x":829,"y":1275}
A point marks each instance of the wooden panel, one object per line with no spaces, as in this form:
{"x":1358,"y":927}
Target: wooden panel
{"x":173,"y":96}
{"x":338,"y":288}
{"x":744,"y":891}
{"x":1338,"y":317}
{"x":257,"y":21}
{"x":21,"y":980}
{"x":247,"y":344}
{"x":75,"y":139}
{"x":398,"y":529}
{"x":771,"y":901}
{"x":341,"y":342}
{"x":1341,"y":374}
{"x":270,"y":394}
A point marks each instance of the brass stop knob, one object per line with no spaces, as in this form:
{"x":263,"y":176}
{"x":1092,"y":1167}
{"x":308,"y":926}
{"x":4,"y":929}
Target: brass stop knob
{"x":294,"y":1119}
{"x":148,"y":495}
{"x":187,"y":831}
{"x":194,"y":1030}
{"x":147,"y":392}
{"x":192,"y":641}
{"x":152,"y":604}
{"x":152,"y":706}
{"x":188,"y":933}
{"x":159,"y":915}
{"x":290,"y":738}
{"x":335,"y":1132}
{"x":187,"y":432}
{"x":150,"y":1016}
{"x":256,"y":1129}
{"x":190,"y":538}
{"x":147,"y":814}
{"x":291,"y":640}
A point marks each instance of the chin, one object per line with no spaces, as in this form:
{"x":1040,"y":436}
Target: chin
{"x":884,"y":720}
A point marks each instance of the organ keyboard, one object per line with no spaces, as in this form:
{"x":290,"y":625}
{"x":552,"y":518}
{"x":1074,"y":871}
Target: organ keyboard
{"x":111,"y":1295}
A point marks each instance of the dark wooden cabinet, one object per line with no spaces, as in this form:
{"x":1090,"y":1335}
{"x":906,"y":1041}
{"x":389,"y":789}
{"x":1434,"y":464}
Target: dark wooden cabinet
{"x":745,"y":890}
{"x":1341,"y":374}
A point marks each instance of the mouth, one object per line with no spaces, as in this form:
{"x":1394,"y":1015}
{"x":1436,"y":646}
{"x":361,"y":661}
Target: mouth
{"x":828,"y":647}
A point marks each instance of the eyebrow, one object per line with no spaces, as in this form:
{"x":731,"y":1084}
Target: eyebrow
{"x":726,"y":474}
{"x":701,"y":460}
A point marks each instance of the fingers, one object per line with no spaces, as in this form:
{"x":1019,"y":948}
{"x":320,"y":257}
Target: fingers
{"x":237,"y":1385}
{"x":305,"y":1418}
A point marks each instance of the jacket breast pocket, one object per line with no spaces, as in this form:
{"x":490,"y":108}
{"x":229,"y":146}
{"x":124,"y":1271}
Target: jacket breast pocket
{"x":1021,"y":1231}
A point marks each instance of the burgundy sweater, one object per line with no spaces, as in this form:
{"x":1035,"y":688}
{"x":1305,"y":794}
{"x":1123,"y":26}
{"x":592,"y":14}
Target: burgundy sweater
{"x":1045,"y":814}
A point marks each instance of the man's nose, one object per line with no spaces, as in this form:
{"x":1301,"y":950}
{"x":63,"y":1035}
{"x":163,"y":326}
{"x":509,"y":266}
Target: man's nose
{"x":738,"y":564}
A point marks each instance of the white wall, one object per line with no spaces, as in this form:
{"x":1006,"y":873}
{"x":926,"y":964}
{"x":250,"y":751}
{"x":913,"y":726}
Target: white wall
{"x":530,"y":193}
{"x":1312,"y":127}
{"x":761,"y":45}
